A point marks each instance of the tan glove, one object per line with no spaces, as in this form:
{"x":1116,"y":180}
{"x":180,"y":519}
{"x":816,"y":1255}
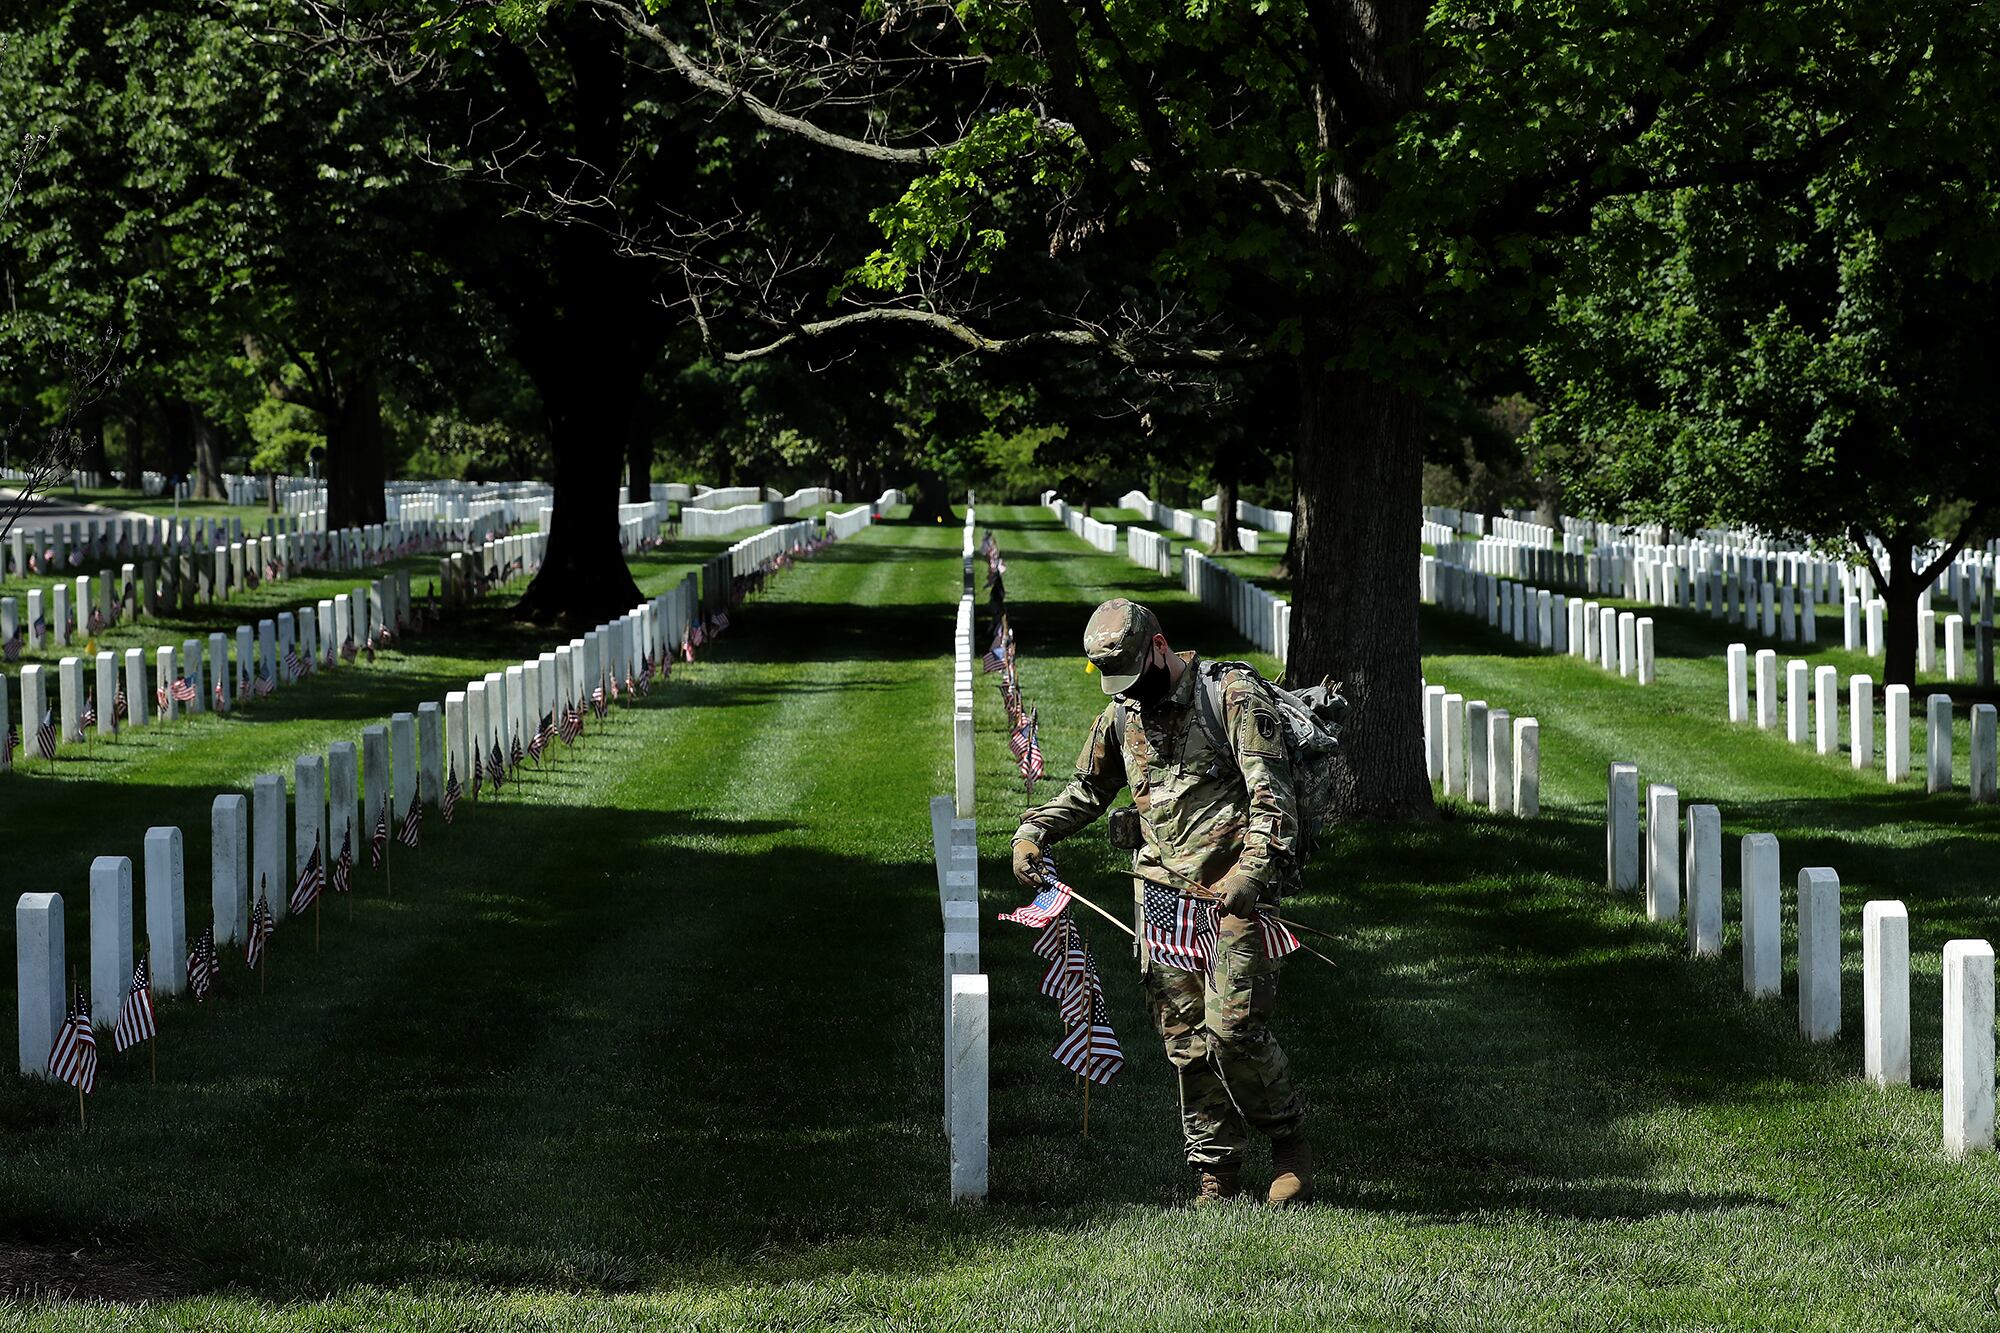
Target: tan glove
{"x":1236,"y":894}
{"x":1027,"y":863}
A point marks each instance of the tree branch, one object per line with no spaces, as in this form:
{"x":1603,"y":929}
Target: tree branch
{"x":945,"y":328}
{"x":1950,"y":553}
{"x":709,"y":82}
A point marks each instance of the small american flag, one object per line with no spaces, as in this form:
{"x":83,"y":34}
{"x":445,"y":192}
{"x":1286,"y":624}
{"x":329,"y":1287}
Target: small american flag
{"x":1276,"y":937}
{"x":1047,"y":906}
{"x":202,"y":968}
{"x":96,"y":620}
{"x":450,"y":793}
{"x":88,"y":717}
{"x":1177,"y":929}
{"x":312,"y":878}
{"x":260,"y":927}
{"x":135,"y":1016}
{"x":496,"y":765}
{"x":515,"y":754}
{"x":720,"y":624}
{"x":1091,"y":1049}
{"x":73,"y":1059}
{"x":1018,"y":742}
{"x":221,"y":701}
{"x":45,"y":735}
{"x":13,"y":646}
{"x":183,"y":690}
{"x":572,"y":725}
{"x":696,"y":636}
{"x":13,"y":741}
{"x":263,"y":686}
{"x":378,"y":845}
{"x":294,"y":668}
{"x":121,"y":708}
{"x":1031,"y":763}
{"x":413,"y":823}
{"x":347,"y":649}
{"x":687,"y":650}
{"x":540,"y":740}
{"x":343,"y":865}
{"x":478,"y":770}
{"x":597,"y":704}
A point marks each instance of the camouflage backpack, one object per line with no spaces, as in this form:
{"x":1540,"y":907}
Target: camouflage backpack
{"x":1312,"y":718}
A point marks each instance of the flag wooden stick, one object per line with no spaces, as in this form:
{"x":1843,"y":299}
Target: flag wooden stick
{"x":153,"y":1056}
{"x":316,"y":898}
{"x":1100,"y":911}
{"x":81,"y":1123}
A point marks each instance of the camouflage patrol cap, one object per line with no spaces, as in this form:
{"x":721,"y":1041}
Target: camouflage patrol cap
{"x":1116,"y":641}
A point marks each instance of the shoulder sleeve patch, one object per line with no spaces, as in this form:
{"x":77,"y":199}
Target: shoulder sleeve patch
{"x":1260,"y":731}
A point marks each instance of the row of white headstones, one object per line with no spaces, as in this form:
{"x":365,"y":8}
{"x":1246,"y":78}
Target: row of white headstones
{"x":1481,"y":754}
{"x":1812,"y":704}
{"x":215,"y":681}
{"x":1668,"y":860}
{"x":329,"y":792}
{"x":954,"y":845}
{"x":1620,"y":641}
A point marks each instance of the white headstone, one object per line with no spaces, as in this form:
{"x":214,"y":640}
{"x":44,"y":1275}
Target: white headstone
{"x":1621,"y":828}
{"x":1983,"y":756}
{"x":229,"y":866}
{"x":969,"y":1088}
{"x":1499,"y":761}
{"x":110,"y":937}
{"x":34,"y":706}
{"x":1937,"y":742}
{"x":1763,"y":958}
{"x":1767,"y":689}
{"x":1644,"y":630}
{"x":1797,"y":702}
{"x":1454,"y":745}
{"x":430,"y":752}
{"x":403,"y":762}
{"x":69,"y":686}
{"x":1738,"y":656}
{"x":1860,"y":722}
{"x":1968,"y":1047}
{"x":1434,"y":731}
{"x":40,"y":987}
{"x":309,"y":820}
{"x":1885,"y":993}
{"x":1478,"y":733}
{"x":1704,"y":881}
{"x":1628,"y":643}
{"x":343,"y":782}
{"x":1954,"y":647}
{"x":138,"y":698}
{"x":166,"y":911}
{"x":1896,"y":728}
{"x":1819,"y":954}
{"x":267,"y":834}
{"x":1826,"y":702}
{"x":1663,"y":848}
{"x":1527,"y":767}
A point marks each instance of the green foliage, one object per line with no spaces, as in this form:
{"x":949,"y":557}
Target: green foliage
{"x":283,"y":436}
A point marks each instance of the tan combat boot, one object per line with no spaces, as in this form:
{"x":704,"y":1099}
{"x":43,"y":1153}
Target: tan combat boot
{"x":1219,"y":1184}
{"x":1291,"y":1172}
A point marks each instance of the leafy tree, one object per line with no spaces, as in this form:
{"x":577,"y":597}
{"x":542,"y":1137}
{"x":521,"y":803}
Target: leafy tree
{"x":1817,"y":365}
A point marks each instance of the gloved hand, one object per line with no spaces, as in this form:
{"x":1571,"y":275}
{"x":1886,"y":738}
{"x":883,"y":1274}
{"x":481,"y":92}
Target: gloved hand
{"x":1236,"y":894}
{"x":1027,"y":863}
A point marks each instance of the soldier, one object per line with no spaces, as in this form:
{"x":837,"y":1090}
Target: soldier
{"x":1216,"y":805}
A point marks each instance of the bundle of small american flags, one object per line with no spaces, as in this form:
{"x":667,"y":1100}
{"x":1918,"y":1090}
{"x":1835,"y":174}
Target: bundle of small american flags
{"x":1089,"y":1047}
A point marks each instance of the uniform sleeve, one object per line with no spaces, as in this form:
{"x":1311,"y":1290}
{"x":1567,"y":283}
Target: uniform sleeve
{"x":1257,"y":734}
{"x":1099,"y":777}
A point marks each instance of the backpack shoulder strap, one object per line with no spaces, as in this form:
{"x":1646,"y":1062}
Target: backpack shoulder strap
{"x":1208,"y":711}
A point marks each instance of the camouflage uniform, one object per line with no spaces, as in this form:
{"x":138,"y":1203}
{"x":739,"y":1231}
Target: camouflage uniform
{"x":1202,"y":815}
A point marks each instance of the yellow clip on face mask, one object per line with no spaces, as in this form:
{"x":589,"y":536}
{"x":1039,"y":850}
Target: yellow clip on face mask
{"x":1089,"y":667}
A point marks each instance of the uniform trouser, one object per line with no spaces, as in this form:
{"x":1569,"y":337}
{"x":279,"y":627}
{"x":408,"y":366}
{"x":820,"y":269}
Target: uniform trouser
{"x":1216,"y":1027}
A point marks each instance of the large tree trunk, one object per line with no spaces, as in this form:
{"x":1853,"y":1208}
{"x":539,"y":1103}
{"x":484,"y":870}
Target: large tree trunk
{"x":135,"y":451}
{"x":931,"y":502}
{"x":206,"y":469}
{"x":1899,"y":614}
{"x":355,"y":463}
{"x":590,"y":370}
{"x":639,"y":467}
{"x":1225,"y":505}
{"x":1354,"y":586}
{"x":91,"y":456}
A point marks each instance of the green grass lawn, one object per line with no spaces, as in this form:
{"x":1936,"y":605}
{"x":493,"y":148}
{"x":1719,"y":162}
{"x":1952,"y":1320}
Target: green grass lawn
{"x":654,"y":1041}
{"x":116,"y":497}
